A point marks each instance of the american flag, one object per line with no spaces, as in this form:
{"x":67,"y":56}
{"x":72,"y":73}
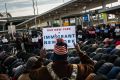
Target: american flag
{"x":60,"y":50}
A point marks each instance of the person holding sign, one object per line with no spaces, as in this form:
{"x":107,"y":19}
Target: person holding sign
{"x":59,"y":69}
{"x":80,"y":34}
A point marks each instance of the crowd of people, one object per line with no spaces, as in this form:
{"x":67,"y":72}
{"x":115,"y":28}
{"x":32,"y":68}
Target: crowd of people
{"x":96,"y":56}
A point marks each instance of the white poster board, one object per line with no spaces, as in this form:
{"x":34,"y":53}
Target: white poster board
{"x":11,"y":29}
{"x":68,"y":34}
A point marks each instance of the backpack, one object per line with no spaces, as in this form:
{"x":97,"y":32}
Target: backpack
{"x":55,"y":77}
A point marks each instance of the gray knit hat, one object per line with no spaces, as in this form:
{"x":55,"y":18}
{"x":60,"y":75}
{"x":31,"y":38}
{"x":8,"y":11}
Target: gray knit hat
{"x":31,"y":62}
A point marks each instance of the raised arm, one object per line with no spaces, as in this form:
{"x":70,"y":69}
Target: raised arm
{"x":85,"y":59}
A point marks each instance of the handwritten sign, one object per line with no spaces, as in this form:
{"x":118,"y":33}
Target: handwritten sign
{"x":50,"y":35}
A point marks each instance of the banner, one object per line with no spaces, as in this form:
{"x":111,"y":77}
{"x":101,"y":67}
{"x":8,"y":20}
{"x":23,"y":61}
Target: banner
{"x":51,"y":34}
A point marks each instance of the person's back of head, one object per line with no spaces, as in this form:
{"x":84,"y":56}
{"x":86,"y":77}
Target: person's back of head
{"x":9,"y":60}
{"x":91,"y":76}
{"x":118,"y":76}
{"x":100,"y":50}
{"x":113,"y":72}
{"x":105,"y":57}
{"x":117,"y":62}
{"x":97,"y":56}
{"x":74,"y":60}
{"x":105,"y":68}
{"x":72,"y":53}
{"x":112,"y":58}
{"x":3,"y":55}
{"x":91,"y":55}
{"x":79,"y":27}
{"x":4,"y":77}
{"x":31,"y":62}
{"x":100,"y":77}
{"x":98,"y":65}
{"x":20,"y":54}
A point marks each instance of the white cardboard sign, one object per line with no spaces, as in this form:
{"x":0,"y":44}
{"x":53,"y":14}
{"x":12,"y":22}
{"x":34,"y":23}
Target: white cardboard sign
{"x":68,"y":34}
{"x":11,"y":29}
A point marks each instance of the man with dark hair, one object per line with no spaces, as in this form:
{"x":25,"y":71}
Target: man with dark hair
{"x":100,"y":77}
{"x":80,"y":34}
{"x":4,"y":77}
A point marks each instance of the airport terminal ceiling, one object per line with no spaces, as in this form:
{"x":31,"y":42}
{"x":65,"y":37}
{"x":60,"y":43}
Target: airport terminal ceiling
{"x":67,"y":8}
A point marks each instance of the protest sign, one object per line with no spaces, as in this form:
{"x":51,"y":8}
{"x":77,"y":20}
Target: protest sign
{"x":68,"y":34}
{"x":11,"y":29}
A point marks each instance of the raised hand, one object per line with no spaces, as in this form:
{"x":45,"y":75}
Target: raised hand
{"x":42,"y":53}
{"x":77,"y":47}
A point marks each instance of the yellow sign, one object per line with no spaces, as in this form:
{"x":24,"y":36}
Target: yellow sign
{"x":66,"y":22}
{"x":104,"y":17}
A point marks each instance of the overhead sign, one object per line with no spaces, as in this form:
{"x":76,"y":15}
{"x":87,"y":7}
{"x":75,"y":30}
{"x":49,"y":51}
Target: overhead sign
{"x":86,"y":18}
{"x":68,"y":34}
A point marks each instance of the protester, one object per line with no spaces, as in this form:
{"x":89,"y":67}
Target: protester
{"x":100,"y":77}
{"x":27,"y":68}
{"x":91,"y":32}
{"x":80,"y":34}
{"x":117,"y":32}
{"x":4,"y":77}
{"x":23,"y":59}
{"x":4,"y":40}
{"x":60,"y":69}
{"x":106,"y":32}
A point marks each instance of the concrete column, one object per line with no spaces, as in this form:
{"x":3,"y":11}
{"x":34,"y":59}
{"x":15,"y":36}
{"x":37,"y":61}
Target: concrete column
{"x":11,"y":26}
{"x":12,"y":30}
{"x":91,"y":19}
{"x":39,"y":23}
{"x":26,"y":25}
{"x":98,"y":19}
{"x":60,"y":20}
{"x":36,"y":23}
{"x":50,"y":22}
{"x":3,"y":28}
{"x":81,"y":19}
{"x":78,"y":18}
{"x":103,"y":4}
{"x":11,"y":23}
{"x":76,"y":21}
